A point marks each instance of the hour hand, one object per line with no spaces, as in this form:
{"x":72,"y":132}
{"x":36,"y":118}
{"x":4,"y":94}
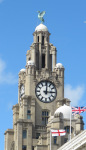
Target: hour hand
{"x":46,"y":88}
{"x":45,"y":92}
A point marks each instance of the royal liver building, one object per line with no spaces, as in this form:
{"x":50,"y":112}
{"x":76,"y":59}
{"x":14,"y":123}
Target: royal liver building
{"x":41,"y":104}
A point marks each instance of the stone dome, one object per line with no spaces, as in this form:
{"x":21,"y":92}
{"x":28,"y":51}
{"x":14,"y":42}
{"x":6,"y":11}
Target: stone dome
{"x":23,"y":70}
{"x":59,"y":65}
{"x":30,"y":63}
{"x":41,"y":27}
{"x":65,"y":110}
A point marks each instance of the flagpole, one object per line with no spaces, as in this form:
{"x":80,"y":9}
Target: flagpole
{"x":50,"y":139}
{"x":70,"y":122}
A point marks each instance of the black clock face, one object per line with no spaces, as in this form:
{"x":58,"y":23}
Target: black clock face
{"x":45,"y":91}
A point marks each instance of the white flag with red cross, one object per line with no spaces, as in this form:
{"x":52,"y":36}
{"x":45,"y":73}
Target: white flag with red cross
{"x":58,"y":132}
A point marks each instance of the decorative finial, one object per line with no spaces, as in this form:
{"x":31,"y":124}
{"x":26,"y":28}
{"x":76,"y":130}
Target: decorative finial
{"x":40,"y":16}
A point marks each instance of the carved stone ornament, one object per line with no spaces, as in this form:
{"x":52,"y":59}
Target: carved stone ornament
{"x":43,"y":78}
{"x":57,"y":83}
{"x":35,"y":81}
{"x":12,"y":146}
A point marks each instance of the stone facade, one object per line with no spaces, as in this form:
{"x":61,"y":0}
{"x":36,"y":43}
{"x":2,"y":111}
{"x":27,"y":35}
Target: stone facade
{"x":30,"y":130}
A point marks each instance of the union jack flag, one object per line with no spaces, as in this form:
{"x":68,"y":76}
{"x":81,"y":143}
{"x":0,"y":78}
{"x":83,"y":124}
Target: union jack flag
{"x":78,"y":110}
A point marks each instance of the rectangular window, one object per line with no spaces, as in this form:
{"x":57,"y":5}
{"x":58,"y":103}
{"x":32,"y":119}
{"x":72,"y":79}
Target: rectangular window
{"x":67,"y":129}
{"x":24,"y":147}
{"x":43,"y":61}
{"x":47,"y":113}
{"x":38,"y":38}
{"x":42,"y":40}
{"x":65,"y":140}
{"x":55,"y":139}
{"x":42,"y":113}
{"x":43,"y":121}
{"x":24,"y":134}
{"x":28,"y":111}
{"x":28,"y":116}
{"x":37,"y":135}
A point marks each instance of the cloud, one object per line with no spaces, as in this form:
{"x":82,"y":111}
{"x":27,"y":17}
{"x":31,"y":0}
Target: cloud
{"x":84,"y":21}
{"x":1,"y":1}
{"x":75,"y":94}
{"x":6,"y":77}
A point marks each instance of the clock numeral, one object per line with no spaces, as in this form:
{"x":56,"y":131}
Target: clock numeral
{"x":45,"y":99}
{"x":39,"y":94}
{"x":41,"y":98}
{"x":41,"y":83}
{"x":38,"y":91}
{"x":49,"y":98}
{"x":49,"y":85}
{"x":52,"y":95}
{"x":39,"y":87}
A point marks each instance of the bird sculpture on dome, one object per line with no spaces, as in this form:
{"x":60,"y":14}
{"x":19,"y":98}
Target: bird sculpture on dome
{"x":40,"y":16}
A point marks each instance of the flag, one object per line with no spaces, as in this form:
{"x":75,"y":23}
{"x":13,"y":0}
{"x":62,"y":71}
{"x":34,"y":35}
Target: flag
{"x":78,"y":110}
{"x":58,"y":132}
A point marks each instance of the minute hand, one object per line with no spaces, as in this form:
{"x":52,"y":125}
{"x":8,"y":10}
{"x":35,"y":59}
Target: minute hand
{"x":50,"y":92}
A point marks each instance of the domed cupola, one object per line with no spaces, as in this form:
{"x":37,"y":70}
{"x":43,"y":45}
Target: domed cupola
{"x":23,"y":70}
{"x":41,"y":27}
{"x":65,"y":110}
{"x":59,"y":65}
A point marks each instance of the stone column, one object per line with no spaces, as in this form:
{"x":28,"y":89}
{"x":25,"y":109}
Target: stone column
{"x":19,"y":136}
{"x":33,"y":111}
{"x":54,"y":59}
{"x":35,"y":38}
{"x":47,"y":56}
{"x":15,"y":137}
{"x":25,"y":108}
{"x":29,"y":137}
{"x":29,"y":80}
{"x":40,"y":52}
{"x":18,"y":94}
{"x":34,"y":55}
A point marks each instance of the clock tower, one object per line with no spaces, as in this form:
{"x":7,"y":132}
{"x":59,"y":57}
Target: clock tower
{"x":40,"y":99}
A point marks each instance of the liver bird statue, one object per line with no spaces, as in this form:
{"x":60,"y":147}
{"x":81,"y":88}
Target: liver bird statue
{"x":40,"y":16}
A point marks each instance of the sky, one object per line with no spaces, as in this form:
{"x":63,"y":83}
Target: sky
{"x":66,"y":21}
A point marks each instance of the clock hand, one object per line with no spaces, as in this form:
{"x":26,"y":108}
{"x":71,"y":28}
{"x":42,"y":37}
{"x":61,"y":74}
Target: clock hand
{"x":46,"y":88}
{"x":50,"y":92}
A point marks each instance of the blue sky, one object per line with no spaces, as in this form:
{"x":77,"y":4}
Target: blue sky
{"x":65,"y":21}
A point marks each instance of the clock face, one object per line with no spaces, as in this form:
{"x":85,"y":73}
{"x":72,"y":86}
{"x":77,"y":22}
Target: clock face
{"x":45,"y":91}
{"x":22,"y":90}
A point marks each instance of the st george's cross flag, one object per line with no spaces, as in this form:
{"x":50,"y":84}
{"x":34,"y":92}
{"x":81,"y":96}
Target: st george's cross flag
{"x":58,"y":132}
{"x":78,"y":110}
